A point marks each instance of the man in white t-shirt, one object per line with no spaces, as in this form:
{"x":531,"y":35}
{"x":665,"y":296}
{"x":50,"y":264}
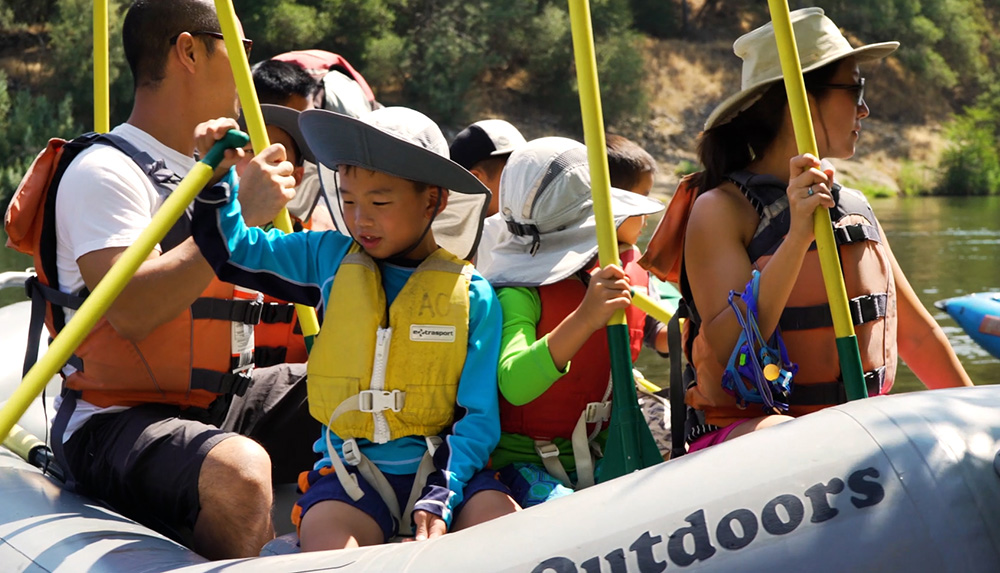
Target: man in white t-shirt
{"x":167,"y":465}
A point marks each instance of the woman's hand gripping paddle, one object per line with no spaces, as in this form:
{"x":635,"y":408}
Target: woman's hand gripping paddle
{"x":258,"y":132}
{"x":630,"y":443}
{"x":843,"y":327}
{"x":106,"y":291}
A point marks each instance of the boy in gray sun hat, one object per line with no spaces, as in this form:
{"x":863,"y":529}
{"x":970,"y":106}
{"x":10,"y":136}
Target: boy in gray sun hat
{"x":403,"y":373}
{"x":555,"y":306}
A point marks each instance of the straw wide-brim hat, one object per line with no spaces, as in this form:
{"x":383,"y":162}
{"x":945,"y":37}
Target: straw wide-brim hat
{"x":404,"y":143}
{"x":548,"y":230}
{"x":819,"y":43}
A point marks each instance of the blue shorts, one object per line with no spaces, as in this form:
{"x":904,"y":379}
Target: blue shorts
{"x":323,"y":485}
{"x":530,"y":484}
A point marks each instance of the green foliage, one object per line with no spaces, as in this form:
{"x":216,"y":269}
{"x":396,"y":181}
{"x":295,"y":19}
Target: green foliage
{"x":946,"y":42}
{"x":26,"y":11}
{"x":26,"y":124}
{"x":437,"y":53}
{"x":72,"y":47}
{"x":686,"y":167}
{"x":972,"y":165}
{"x":916,"y":179}
{"x":658,"y":18}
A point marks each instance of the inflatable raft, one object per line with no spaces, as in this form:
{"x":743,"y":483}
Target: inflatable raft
{"x":901,"y":483}
{"x":979,"y":316}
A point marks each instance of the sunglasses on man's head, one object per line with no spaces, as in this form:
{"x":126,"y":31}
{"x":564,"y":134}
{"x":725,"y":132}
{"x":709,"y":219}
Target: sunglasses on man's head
{"x":858,"y":88}
{"x":247,"y":42}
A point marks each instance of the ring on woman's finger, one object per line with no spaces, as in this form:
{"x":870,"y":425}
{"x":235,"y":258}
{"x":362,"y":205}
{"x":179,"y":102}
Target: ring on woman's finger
{"x":810,"y":192}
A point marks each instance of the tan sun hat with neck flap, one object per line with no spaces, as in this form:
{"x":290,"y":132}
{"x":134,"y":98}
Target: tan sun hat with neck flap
{"x":819,"y":43}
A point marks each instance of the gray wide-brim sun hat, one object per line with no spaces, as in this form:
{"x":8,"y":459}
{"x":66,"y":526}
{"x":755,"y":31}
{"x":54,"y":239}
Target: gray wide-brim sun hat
{"x":404,"y":143}
{"x":286,"y":119}
{"x":549,"y":230}
{"x":819,"y":43}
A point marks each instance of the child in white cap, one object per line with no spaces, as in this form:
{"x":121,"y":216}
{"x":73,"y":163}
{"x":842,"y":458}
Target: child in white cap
{"x":402,"y":375}
{"x":554,"y":368}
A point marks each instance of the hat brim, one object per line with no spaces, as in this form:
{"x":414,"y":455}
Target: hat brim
{"x":508,"y":261}
{"x":338,"y":139}
{"x":286,"y":119}
{"x":742,"y":100}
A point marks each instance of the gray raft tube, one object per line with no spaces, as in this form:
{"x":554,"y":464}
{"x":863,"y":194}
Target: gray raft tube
{"x":902,"y":483}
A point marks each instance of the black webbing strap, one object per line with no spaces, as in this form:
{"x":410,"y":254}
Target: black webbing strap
{"x":277,"y":313}
{"x":864,"y":309}
{"x":235,"y":383}
{"x":39,"y":294}
{"x":678,"y":409}
{"x":826,"y":393}
{"x":269,"y":355}
{"x":855,"y":234}
{"x":242,"y":311}
{"x":59,"y":424}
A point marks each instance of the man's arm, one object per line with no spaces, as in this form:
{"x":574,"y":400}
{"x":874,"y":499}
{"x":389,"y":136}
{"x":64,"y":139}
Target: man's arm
{"x":166,"y":284}
{"x":159,"y":291}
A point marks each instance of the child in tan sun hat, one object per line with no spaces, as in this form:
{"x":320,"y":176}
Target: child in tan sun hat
{"x":554,"y":366}
{"x":750,"y":230}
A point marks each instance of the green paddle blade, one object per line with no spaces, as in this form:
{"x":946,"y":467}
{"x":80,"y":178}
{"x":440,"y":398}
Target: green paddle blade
{"x":630,"y":444}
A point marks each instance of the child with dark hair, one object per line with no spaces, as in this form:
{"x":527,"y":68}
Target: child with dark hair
{"x":403,"y":373}
{"x":632,"y":168}
{"x":282,"y":83}
{"x":554,"y":368}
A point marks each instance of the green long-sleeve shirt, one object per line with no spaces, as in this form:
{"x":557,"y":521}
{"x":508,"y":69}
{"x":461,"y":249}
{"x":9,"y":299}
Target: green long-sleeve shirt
{"x":525,"y":372}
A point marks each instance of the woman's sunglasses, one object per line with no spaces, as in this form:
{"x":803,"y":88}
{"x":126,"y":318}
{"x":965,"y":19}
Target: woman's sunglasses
{"x":858,"y":88}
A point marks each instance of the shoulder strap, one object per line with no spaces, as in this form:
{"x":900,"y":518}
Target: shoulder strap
{"x":155,"y":170}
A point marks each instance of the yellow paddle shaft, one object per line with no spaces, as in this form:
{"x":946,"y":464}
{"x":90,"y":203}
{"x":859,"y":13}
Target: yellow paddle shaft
{"x":102,"y":98}
{"x":255,"y":125}
{"x":593,"y":135}
{"x":647,"y":304}
{"x":98,"y":302}
{"x":805,"y":138}
{"x":21,"y":442}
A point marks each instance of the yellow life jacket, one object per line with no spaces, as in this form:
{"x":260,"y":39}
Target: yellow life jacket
{"x":362,"y":390}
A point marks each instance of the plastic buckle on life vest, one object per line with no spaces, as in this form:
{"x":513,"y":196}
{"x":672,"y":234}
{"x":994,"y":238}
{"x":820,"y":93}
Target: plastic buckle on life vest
{"x":379,"y":400}
{"x":598,"y":412}
{"x":547,"y":450}
{"x":351,"y":451}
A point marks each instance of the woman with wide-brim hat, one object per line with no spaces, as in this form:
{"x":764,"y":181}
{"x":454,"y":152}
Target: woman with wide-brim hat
{"x":754,"y":211}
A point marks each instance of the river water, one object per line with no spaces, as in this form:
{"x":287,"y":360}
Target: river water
{"x":947,"y":246}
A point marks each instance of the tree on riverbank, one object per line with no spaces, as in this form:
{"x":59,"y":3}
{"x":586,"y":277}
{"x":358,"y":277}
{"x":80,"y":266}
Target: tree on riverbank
{"x":460,"y":60}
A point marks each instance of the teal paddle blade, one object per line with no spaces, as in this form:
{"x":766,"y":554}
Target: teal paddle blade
{"x":630,"y":445}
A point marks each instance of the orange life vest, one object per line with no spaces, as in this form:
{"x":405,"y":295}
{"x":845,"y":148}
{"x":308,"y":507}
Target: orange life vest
{"x":187,"y":361}
{"x":806,"y":323}
{"x":278,"y":338}
{"x":554,"y":414}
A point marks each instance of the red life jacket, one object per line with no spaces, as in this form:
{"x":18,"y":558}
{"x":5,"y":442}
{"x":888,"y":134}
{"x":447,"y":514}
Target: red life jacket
{"x":554,"y":414}
{"x":806,"y":323}
{"x":187,"y":361}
